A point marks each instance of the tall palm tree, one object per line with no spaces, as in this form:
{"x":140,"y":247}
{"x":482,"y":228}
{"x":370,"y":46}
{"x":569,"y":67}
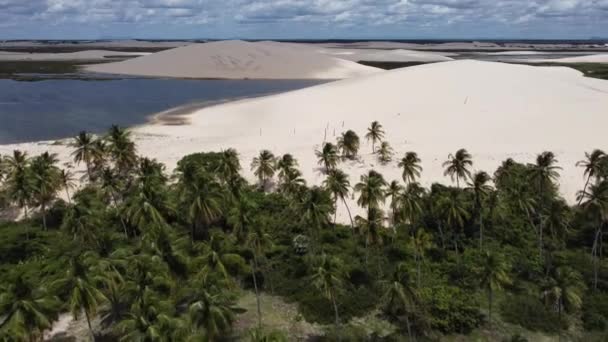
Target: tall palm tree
{"x":229,"y":166}
{"x":410,"y":164}
{"x":26,"y":311}
{"x":204,"y":199}
{"x":494,"y":275}
{"x":411,"y":202}
{"x":401,"y":295}
{"x":349,"y":144}
{"x":19,"y":185}
{"x":338,"y":184}
{"x":375,"y":133}
{"x":210,"y":315}
{"x":149,"y":320}
{"x":292,"y":183}
{"x":371,"y":190}
{"x":111,"y":186}
{"x":121,"y":149}
{"x":328,"y":156}
{"x":421,"y":241}
{"x":457,"y":166}
{"x":593,"y":166}
{"x":385,"y":153}
{"x":66,"y":178}
{"x":452,"y":208}
{"x":259,"y":242}
{"x":327,"y":278}
{"x":240,"y":216}
{"x":595,"y":201}
{"x":316,"y":208}
{"x":264,"y":167}
{"x":84,"y":143}
{"x":480,"y":189}
{"x":46,"y":181}
{"x":81,"y":284}
{"x":394,"y":191}
{"x":544,"y":173}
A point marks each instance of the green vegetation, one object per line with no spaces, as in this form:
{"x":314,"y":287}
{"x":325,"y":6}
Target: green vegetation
{"x":39,"y":70}
{"x":139,"y":254}
{"x":594,"y":70}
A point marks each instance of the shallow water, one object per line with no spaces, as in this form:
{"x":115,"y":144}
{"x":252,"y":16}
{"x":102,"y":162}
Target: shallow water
{"x":54,"y":109}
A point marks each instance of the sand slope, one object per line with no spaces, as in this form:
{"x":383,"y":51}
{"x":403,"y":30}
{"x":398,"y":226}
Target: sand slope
{"x":237,"y":60}
{"x":494,"y":110}
{"x":69,"y":56}
{"x":599,"y":58}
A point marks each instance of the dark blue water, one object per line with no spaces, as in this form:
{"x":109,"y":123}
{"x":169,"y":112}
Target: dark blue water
{"x":53,"y":109}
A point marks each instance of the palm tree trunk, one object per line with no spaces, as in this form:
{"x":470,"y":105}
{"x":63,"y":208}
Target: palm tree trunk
{"x":88,"y":165}
{"x":409,"y":328}
{"x":86,"y":313}
{"x":122,"y":222}
{"x":490,"y":304}
{"x":418,"y":268}
{"x":67,"y":192}
{"x":43,"y":208}
{"x":441,"y":235}
{"x":352,"y":223}
{"x":257,"y":293}
{"x":480,"y":230}
{"x":594,"y":257}
{"x":27,"y":226}
{"x":337,"y":317}
{"x":336,"y":213}
{"x":584,"y":190}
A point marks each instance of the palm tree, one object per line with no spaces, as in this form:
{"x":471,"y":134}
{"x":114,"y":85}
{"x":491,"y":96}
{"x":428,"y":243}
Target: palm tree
{"x":83,"y":292}
{"x":338,"y":184}
{"x":204,"y":200}
{"x":316,"y":208}
{"x":494,"y":275}
{"x":121,"y":149}
{"x":564,"y":290}
{"x":394,"y":191}
{"x":410,"y":164}
{"x":328,"y":156}
{"x":239,"y":216}
{"x":452,"y":208}
{"x":457,"y":166}
{"x":375,"y":133}
{"x":46,"y":181}
{"x":349,"y":144}
{"x":593,"y":166}
{"x":210,"y":315}
{"x":480,"y":189}
{"x":327,"y":278}
{"x":19,"y":185}
{"x":229,"y":166}
{"x":66,"y":178}
{"x":292,"y":183}
{"x":411,"y":202}
{"x":286,"y":164}
{"x":401,"y":295}
{"x":545,"y":173}
{"x":111,"y":185}
{"x":595,"y":201}
{"x":385,"y":153}
{"x":26,"y":311}
{"x":371,"y":190}
{"x":264,"y":166}
{"x":149,"y":320}
{"x":259,"y":242}
{"x":84,"y":143}
{"x":421,"y":241}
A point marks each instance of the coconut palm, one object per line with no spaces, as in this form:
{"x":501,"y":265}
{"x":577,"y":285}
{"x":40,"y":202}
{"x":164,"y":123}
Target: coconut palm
{"x":457,"y":166}
{"x":292,"y":183}
{"x":150,"y":320}
{"x":316,"y":208}
{"x":544,"y":173}
{"x":259,"y":242}
{"x":411,"y":202}
{"x":494,"y":275}
{"x":564,"y":290}
{"x":121,"y":149}
{"x":204,"y":201}
{"x":338,"y":184}
{"x":264,"y":167}
{"x":375,"y":133}
{"x":385,"y":153}
{"x":327,"y":278}
{"x":66,"y":178}
{"x":210,"y":315}
{"x":593,"y":166}
{"x":394,"y":191}
{"x":480,"y":189}
{"x":349,"y":144}
{"x":421,"y":242}
{"x":239,"y":216}
{"x":371,"y":190}
{"x":410,"y":164}
{"x":328,"y":156}
{"x":19,"y":185}
{"x":452,"y":209}
{"x":84,"y":143}
{"x":401,"y":296}
{"x":595,"y":201}
{"x":229,"y":165}
{"x":84,"y":296}
{"x":286,"y":164}
{"x":46,"y":181}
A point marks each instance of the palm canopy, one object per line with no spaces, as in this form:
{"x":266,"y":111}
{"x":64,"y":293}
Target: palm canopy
{"x":84,"y":144}
{"x":349,"y":144}
{"x":121,"y":148}
{"x":457,"y":166}
{"x":338,"y":184}
{"x":545,"y":171}
{"x":593,"y":163}
{"x":264,"y":166}
{"x":375,"y":133}
{"x":385,"y":153}
{"x":371,"y":190}
{"x":410,"y":164}
{"x":479,"y":186}
{"x":564,"y":288}
{"x":328,"y":156}
{"x":286,"y":165}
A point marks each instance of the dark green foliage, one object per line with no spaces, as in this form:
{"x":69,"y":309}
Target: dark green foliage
{"x":530,"y":313}
{"x":451,"y":309}
{"x":595,"y":312}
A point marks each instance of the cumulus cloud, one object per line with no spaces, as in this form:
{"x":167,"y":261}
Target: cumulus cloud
{"x":359,"y":14}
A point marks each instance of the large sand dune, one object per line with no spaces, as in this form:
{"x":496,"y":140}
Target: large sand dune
{"x":494,"y":110}
{"x":237,"y":60}
{"x":598,"y":58}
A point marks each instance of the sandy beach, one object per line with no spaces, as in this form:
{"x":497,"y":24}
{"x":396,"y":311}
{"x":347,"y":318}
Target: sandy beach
{"x":495,"y":110}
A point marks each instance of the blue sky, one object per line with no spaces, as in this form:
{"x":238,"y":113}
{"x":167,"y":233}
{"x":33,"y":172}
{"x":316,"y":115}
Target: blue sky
{"x":91,"y":19}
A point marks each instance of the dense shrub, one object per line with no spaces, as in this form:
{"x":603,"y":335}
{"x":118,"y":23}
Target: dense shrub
{"x":451,"y":310}
{"x":530,"y":313}
{"x":595,"y":311}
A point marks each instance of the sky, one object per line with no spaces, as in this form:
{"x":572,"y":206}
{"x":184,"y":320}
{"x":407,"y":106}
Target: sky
{"x":303,"y":19}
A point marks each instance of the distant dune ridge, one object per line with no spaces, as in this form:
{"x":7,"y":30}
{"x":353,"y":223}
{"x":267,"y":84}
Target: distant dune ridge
{"x":238,"y":60}
{"x":494,"y":110}
{"x":598,"y":58}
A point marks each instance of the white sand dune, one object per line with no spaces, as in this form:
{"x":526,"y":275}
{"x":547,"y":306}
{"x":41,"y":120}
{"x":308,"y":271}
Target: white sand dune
{"x":494,"y":110}
{"x":397,"y":55}
{"x":237,"y":60}
{"x":70,"y":56}
{"x":599,"y":58}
